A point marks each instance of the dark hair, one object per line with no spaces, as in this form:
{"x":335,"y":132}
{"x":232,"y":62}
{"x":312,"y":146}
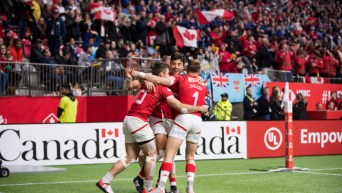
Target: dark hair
{"x":194,"y":66}
{"x":66,"y":86}
{"x":274,"y":97}
{"x":159,"y":67}
{"x":178,"y":56}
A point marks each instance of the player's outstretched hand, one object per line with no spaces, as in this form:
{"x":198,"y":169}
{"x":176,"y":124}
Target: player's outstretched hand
{"x":128,"y":72}
{"x":204,"y":108}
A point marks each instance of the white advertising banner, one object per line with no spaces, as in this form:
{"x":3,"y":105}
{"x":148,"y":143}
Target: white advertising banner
{"x":88,"y":143}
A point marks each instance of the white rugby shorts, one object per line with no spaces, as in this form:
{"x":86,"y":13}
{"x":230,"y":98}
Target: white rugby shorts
{"x":160,"y":126}
{"x":136,"y":130}
{"x":187,"y":126}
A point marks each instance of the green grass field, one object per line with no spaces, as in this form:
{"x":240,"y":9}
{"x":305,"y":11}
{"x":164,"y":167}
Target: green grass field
{"x":324,"y":175}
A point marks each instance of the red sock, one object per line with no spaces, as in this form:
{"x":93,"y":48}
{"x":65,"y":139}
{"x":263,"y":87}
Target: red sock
{"x":190,"y":173}
{"x":166,"y":169}
{"x":142,"y":173}
{"x":173,"y":182}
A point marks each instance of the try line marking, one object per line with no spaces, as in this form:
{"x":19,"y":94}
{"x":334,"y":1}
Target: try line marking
{"x":199,"y":175}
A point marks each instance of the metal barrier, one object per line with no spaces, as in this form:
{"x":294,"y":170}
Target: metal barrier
{"x":279,"y":75}
{"x":103,"y":77}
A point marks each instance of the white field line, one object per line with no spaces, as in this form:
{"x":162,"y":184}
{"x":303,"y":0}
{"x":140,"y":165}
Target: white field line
{"x":200,"y":175}
{"x":322,"y":169}
{"x":91,"y":181}
{"x":318,"y":173}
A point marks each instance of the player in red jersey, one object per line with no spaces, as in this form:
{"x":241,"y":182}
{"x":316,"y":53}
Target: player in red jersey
{"x":161,"y":122}
{"x":139,"y":135}
{"x":185,"y":127}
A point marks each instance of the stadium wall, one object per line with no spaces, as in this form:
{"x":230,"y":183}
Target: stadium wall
{"x":87,"y":143}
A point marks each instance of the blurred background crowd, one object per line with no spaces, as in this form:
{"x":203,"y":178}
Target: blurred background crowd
{"x":301,"y":36}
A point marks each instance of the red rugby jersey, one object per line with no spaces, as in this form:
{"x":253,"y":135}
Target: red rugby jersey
{"x":189,"y":91}
{"x":145,"y":102}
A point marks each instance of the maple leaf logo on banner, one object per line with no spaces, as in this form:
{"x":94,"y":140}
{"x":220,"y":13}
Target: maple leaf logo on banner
{"x":188,"y":36}
{"x":109,"y":133}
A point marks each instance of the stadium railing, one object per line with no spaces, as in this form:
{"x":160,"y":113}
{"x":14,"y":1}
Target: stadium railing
{"x":102,"y":77}
{"x":280,"y":75}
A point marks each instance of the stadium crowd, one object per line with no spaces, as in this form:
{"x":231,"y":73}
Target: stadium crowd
{"x":301,"y":36}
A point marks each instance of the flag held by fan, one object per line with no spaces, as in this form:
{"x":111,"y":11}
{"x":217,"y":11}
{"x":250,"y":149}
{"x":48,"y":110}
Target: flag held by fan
{"x":185,"y":37}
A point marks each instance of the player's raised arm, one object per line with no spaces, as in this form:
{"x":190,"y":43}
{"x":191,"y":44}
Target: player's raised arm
{"x":166,"y":81}
{"x":184,"y":108}
{"x":129,"y":83}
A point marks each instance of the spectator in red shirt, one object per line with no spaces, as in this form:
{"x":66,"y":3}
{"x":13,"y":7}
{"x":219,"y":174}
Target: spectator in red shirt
{"x":17,"y":51}
{"x":330,"y":64}
{"x":224,"y":58}
{"x":300,"y":61}
{"x":334,"y":99}
{"x":285,"y":57}
{"x":315,"y":63}
{"x":249,"y":48}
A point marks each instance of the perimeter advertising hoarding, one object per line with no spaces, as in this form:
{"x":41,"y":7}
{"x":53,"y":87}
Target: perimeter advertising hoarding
{"x":87,"y":143}
{"x":266,"y":139}
{"x":314,"y":93}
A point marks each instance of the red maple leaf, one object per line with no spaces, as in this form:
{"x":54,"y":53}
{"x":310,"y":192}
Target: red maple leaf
{"x":188,"y":35}
{"x":107,"y":12}
{"x":110,"y":132}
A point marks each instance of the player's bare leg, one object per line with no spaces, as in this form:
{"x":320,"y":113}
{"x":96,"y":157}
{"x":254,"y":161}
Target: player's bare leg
{"x":190,"y":165}
{"x":132,"y":150}
{"x":161,"y":140}
{"x":172,"y":146}
{"x":139,"y":180}
{"x":150,"y":151}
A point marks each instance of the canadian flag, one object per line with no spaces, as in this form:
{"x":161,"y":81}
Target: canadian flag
{"x":232,"y":130}
{"x":106,"y":13}
{"x":95,"y":7}
{"x":105,"y":133}
{"x":205,"y":17}
{"x":185,"y":37}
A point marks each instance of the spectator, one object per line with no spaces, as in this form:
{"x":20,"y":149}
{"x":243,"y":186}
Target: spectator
{"x":285,"y":58}
{"x":331,"y":106}
{"x":335,"y":99}
{"x":37,"y":52}
{"x":249,"y":105}
{"x":114,"y":74}
{"x":264,"y":106}
{"x":53,"y":75}
{"x":3,"y":74}
{"x":276,"y":110}
{"x":55,"y":31}
{"x":142,"y":27}
{"x":85,"y":61}
{"x":103,"y":48}
{"x":315,"y":63}
{"x":250,"y":50}
{"x":72,"y":24}
{"x":319,"y":106}
{"x":299,"y":108}
{"x":300,"y":62}
{"x":265,"y":56}
{"x":223,"y":109}
{"x":40,"y":30}
{"x":224,"y":59}
{"x":15,"y":54}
